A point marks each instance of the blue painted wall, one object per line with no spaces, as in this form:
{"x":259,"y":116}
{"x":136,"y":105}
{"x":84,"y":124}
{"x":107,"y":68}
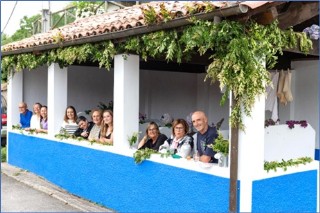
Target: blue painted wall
{"x":115,"y":181}
{"x":289,"y":193}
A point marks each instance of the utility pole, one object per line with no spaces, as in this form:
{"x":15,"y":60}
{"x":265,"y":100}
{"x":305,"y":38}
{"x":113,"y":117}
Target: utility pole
{"x":46,"y":22}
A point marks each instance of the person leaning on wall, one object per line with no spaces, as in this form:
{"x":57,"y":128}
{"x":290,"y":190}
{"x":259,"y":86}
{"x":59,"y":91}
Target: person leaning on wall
{"x":43,"y":120}
{"x":84,"y":127}
{"x":205,"y":136}
{"x":36,"y":117}
{"x":106,"y":134}
{"x":94,"y":134}
{"x":25,"y":115}
{"x":69,"y":124}
{"x":180,"y":129}
{"x":153,"y":139}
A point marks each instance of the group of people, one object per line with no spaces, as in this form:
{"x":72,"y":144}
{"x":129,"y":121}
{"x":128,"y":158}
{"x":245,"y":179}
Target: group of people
{"x":38,"y":120}
{"x":205,"y":136}
{"x":100,"y":129}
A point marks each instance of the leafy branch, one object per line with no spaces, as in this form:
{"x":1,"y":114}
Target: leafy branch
{"x":220,"y":145}
{"x":143,"y":154}
{"x":240,"y":53}
{"x":133,"y":138}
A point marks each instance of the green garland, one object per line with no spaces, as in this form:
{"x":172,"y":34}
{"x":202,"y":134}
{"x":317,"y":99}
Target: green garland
{"x":238,"y":53}
{"x":142,"y":154}
{"x":64,"y":135}
{"x":284,"y":164}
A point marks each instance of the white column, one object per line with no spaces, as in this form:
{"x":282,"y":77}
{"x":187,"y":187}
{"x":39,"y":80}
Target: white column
{"x":57,"y":97}
{"x":251,"y":152}
{"x":14,"y":97}
{"x":126,"y":98}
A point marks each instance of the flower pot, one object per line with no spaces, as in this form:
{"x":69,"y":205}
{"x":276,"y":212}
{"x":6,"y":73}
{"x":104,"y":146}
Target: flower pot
{"x":222,"y":159}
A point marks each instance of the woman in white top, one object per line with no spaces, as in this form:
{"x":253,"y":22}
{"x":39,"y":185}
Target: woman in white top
{"x":69,"y":123}
{"x":35,"y":119}
{"x":44,"y":120}
{"x":180,"y":129}
{"x":95,"y":131}
{"x":106,"y":136}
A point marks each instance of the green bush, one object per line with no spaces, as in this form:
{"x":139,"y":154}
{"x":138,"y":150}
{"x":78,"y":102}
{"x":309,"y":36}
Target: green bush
{"x":3,"y":154}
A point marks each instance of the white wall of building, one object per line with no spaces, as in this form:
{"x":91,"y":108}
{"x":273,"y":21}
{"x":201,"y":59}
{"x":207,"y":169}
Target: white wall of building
{"x":306,"y":99}
{"x":35,"y":86}
{"x":179,"y":94}
{"x":87,"y":86}
{"x":305,"y":92}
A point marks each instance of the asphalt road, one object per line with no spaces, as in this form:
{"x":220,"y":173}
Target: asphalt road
{"x":18,"y":197}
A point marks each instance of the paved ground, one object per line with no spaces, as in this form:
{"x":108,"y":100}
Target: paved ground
{"x":19,"y":197}
{"x":23,"y":191}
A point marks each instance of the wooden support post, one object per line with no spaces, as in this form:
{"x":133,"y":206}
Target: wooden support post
{"x":233,"y":192}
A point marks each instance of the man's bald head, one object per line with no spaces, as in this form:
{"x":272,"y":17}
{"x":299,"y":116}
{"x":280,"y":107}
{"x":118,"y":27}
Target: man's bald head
{"x":200,"y":121}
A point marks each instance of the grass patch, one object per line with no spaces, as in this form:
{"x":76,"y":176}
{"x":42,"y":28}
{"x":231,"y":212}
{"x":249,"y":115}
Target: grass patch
{"x":3,"y":154}
{"x":16,"y":174}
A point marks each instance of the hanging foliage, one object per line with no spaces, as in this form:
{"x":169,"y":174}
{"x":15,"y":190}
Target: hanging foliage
{"x":240,"y":54}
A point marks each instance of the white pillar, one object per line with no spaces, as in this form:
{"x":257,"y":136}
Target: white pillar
{"x":126,"y":98}
{"x":14,"y":97}
{"x":251,"y":152}
{"x":57,"y":97}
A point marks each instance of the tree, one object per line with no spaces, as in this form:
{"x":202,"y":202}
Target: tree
{"x":88,"y":8}
{"x":25,"y":31}
{"x":5,"y":39}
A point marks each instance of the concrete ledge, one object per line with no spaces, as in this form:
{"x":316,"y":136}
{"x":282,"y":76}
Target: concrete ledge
{"x":41,"y":184}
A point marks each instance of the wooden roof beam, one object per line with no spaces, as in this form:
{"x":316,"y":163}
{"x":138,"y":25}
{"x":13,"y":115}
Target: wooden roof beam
{"x":297,"y":13}
{"x":267,"y":17}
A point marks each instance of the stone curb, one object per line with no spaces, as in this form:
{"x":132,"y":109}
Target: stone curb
{"x":42,"y":185}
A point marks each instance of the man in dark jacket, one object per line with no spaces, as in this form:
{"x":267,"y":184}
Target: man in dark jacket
{"x":84,"y":127}
{"x":206,"y":135}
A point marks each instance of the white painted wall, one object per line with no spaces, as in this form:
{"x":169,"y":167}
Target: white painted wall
{"x":167,"y":92}
{"x":306,"y":103}
{"x":35,"y":86}
{"x":87,"y":86}
{"x":179,"y":94}
{"x":284,"y":143}
{"x":305,"y":91}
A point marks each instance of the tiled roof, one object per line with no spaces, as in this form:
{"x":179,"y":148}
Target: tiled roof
{"x":119,"y":20}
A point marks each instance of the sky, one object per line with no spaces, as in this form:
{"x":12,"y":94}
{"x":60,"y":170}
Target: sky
{"x":24,"y":8}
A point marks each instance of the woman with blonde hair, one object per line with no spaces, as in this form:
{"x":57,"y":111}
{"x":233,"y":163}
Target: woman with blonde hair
{"x":106,"y":134}
{"x":153,"y":138}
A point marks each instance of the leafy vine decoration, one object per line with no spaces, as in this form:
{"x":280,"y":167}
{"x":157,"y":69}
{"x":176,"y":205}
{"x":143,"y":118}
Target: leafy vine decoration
{"x":239,"y":54}
{"x":273,"y":165}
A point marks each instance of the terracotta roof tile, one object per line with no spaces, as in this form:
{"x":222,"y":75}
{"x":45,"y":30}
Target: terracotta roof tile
{"x":118,"y":20}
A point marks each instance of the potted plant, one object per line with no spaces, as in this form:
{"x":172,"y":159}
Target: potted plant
{"x":221,"y":146}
